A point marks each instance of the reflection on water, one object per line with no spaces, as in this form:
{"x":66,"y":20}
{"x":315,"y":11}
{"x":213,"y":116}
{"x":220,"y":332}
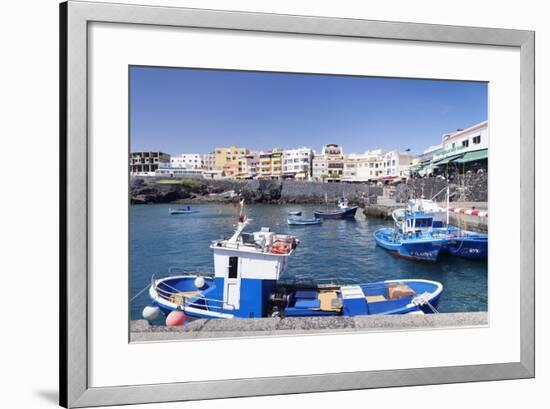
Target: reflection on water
{"x":340,"y":250}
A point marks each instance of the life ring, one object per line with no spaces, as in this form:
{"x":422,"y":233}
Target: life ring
{"x":280,"y":248}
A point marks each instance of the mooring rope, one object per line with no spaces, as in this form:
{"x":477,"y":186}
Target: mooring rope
{"x":139,"y":293}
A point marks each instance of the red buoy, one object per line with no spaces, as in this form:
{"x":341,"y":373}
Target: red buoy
{"x":175,"y":319}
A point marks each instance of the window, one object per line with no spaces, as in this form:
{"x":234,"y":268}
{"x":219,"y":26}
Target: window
{"x":465,"y":143}
{"x":476,"y":139}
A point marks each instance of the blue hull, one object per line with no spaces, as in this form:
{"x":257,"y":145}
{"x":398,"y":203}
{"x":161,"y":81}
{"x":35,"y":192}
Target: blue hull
{"x":467,"y":247}
{"x":375,"y":298}
{"x":422,"y":248}
{"x":465,"y":244}
{"x":337,"y":214}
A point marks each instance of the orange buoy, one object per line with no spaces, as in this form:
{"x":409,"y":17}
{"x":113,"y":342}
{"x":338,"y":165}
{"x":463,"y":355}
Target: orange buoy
{"x":280,"y":248}
{"x":175,"y":319}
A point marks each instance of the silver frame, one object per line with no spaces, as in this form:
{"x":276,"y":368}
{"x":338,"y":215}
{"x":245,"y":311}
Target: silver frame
{"x":74,"y":19}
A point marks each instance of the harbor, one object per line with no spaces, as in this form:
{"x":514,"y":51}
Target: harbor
{"x":352,"y":256}
{"x":332,"y":220}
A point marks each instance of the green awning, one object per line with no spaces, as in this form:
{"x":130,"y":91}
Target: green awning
{"x":473,"y":156}
{"x":448,"y":159}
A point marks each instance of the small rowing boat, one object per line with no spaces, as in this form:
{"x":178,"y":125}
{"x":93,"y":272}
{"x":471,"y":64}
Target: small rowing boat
{"x":295,"y":213}
{"x":303,"y":221}
{"x":187,"y":210}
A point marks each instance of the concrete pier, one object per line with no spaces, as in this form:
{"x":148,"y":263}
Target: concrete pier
{"x":142,"y":331}
{"x":385,"y":206}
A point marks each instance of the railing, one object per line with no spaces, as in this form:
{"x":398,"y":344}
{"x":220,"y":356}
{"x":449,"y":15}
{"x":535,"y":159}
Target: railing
{"x":181,"y":270}
{"x":168,"y":295}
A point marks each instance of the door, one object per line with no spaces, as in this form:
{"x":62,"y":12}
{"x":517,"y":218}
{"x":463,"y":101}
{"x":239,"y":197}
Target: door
{"x":232,"y":288}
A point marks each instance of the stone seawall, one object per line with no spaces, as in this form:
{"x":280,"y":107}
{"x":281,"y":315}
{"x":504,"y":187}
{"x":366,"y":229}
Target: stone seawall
{"x":465,"y":188}
{"x":149,"y":190}
{"x":141,"y":331}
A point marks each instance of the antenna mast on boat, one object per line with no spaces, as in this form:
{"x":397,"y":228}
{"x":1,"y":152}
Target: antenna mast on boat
{"x":243,"y":221}
{"x":448,"y":199}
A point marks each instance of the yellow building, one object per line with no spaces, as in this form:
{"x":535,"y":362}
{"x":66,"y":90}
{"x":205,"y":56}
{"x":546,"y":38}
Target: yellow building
{"x":271,"y":164}
{"x":265,"y":165}
{"x":276,"y":163}
{"x":227,"y":159}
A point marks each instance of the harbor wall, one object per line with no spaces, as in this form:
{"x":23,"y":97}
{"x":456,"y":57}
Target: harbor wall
{"x":464,"y":188}
{"x":142,"y":331}
{"x":149,"y":190}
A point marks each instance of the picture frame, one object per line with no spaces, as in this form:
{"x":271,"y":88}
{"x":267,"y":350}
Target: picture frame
{"x":75,"y":16}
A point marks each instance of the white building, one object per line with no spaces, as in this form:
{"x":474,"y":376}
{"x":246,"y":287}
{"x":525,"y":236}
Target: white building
{"x":363,"y":167}
{"x":397,"y":164}
{"x":297,"y":163}
{"x":329,"y":164}
{"x":462,"y":141}
{"x":319,"y":167}
{"x":209,"y":161}
{"x":421,"y":165}
{"x":186,"y":160}
{"x":180,"y":173}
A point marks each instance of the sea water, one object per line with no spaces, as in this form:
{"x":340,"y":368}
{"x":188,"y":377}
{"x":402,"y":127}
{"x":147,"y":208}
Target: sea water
{"x":341,"y":251}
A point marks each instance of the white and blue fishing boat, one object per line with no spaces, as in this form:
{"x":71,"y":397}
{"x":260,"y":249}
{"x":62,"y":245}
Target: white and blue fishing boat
{"x":303,"y":221}
{"x":412,"y":236}
{"x":185,"y":210}
{"x":430,"y":207}
{"x":343,"y":211}
{"x":459,"y":242}
{"x":245,"y":284}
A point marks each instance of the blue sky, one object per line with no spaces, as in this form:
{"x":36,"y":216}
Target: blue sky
{"x":178,"y":110}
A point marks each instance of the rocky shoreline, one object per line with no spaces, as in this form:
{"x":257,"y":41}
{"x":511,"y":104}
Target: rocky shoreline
{"x":150,"y":191}
{"x":469,"y":188}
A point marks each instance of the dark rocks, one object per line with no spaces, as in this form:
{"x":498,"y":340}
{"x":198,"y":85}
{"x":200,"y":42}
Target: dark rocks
{"x":471,"y":187}
{"x":145,"y":191}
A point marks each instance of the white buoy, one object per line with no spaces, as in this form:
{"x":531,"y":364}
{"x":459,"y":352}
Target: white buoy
{"x":151,"y":312}
{"x":199,"y":282}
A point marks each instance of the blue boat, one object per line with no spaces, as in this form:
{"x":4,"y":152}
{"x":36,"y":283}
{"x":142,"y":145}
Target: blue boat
{"x":344,"y":211}
{"x":187,"y":210}
{"x":245,"y":284}
{"x":465,"y":244}
{"x":459,"y":242}
{"x":412,"y":237}
{"x":303,"y":221}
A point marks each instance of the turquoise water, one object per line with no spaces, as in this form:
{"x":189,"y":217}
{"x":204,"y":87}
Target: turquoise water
{"x":340,"y":250}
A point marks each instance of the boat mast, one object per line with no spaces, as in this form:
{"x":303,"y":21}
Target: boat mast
{"x":448,"y":191}
{"x":243,"y":221}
